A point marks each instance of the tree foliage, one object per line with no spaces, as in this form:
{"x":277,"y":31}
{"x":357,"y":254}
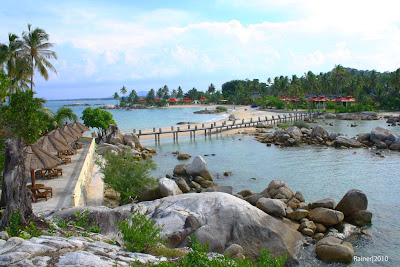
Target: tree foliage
{"x":97,"y":118}
{"x":127,"y":175}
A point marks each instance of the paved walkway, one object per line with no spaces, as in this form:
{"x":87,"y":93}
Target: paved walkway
{"x":64,"y":185}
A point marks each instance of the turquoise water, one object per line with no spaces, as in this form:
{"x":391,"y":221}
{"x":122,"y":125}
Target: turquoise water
{"x":315,"y":171}
{"x":127,"y":120}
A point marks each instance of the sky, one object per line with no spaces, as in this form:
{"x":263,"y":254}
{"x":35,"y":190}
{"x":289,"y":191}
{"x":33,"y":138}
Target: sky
{"x":103,"y":45}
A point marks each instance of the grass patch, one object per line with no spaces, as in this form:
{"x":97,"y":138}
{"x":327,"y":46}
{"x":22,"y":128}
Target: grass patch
{"x":166,"y":252}
{"x":221,"y":108}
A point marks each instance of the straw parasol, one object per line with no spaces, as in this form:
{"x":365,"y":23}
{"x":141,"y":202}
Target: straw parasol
{"x":75,"y":133}
{"x":37,"y":158}
{"x":79,"y":126}
{"x":52,"y":144}
{"x":62,"y":135}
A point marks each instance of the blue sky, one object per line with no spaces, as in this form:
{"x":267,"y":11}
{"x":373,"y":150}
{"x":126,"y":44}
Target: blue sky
{"x":103,"y":45}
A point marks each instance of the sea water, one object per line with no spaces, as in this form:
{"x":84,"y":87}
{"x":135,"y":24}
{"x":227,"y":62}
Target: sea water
{"x":316,"y":171}
{"x":127,"y":120}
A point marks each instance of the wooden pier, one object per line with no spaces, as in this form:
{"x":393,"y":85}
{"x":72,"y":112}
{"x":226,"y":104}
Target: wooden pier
{"x":223,"y":126}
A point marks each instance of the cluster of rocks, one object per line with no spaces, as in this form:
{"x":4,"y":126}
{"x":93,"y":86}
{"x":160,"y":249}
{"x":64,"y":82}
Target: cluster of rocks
{"x":366,"y":115}
{"x":209,"y":111}
{"x":392,"y":120}
{"x":318,"y":219}
{"x":114,"y":141}
{"x":130,"y":107}
{"x":76,"y":104}
{"x":188,"y":178}
{"x":72,"y":251}
{"x":378,"y":138}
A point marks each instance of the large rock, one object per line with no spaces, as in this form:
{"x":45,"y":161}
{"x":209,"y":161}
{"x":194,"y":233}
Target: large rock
{"x":319,"y":131}
{"x":379,"y":133}
{"x":168,"y":187}
{"x":183,"y":156}
{"x":180,"y":169}
{"x":353,"y":201}
{"x":246,"y":193}
{"x":326,"y":216}
{"x":222,"y":220}
{"x":360,"y":218}
{"x":183,"y":186}
{"x":112,"y":135}
{"x":150,"y":194}
{"x":199,"y":167}
{"x":395,"y":144}
{"x":328,"y":203}
{"x":332,"y":249}
{"x":347,"y":142}
{"x":73,"y":251}
{"x":294,"y":132}
{"x":136,"y":141}
{"x":272,"y":206}
{"x":221,"y":188}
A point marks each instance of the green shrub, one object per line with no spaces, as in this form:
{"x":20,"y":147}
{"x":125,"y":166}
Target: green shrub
{"x":283,"y":126}
{"x":198,"y":257}
{"x":301,"y":125}
{"x":221,"y":108}
{"x":140,"y":233}
{"x":82,"y":220}
{"x":127,"y":175}
{"x":16,"y":229}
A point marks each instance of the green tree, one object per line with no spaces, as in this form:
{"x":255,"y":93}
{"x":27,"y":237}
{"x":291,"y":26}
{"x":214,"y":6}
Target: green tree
{"x":133,"y":97}
{"x":10,"y":60}
{"x":151,"y":96}
{"x":165,"y":92}
{"x":65,"y":114}
{"x":126,"y":174}
{"x":97,"y":118}
{"x":36,"y":50}
{"x":116,"y":96}
{"x":180,"y":93}
{"x":211,"y":89}
{"x":160,"y":93}
{"x":338,"y":73}
{"x":174,"y":93}
{"x":123,"y":90}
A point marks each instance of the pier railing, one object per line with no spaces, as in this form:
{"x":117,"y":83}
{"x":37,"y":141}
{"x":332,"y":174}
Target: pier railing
{"x":224,"y":125}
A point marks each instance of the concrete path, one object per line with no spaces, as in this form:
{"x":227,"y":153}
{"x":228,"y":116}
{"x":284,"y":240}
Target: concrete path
{"x":62,"y":186}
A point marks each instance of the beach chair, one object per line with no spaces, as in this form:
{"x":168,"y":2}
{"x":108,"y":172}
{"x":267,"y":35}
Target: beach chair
{"x":40,"y":191}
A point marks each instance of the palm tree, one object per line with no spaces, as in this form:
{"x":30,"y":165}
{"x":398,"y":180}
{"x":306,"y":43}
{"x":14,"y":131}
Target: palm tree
{"x":211,"y":89}
{"x":116,"y":97}
{"x":339,"y":74}
{"x":63,"y":114}
{"x":36,"y":51}
{"x":123,"y":90}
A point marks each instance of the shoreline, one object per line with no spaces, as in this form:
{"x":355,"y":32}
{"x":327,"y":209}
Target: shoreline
{"x":240,"y":112}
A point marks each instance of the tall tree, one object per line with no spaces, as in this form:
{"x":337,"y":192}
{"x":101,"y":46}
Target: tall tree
{"x":180,"y":93}
{"x":116,"y":96}
{"x":151,"y":96}
{"x":338,"y":73}
{"x":123,"y":90}
{"x":211,"y":89}
{"x":64,"y":114}
{"x":37,"y":51}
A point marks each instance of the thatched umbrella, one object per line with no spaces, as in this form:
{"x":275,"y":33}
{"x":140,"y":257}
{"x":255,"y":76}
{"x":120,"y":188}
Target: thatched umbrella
{"x":69,"y":129}
{"x":62,"y":135}
{"x":37,"y":158}
{"x":52,"y":144}
{"x":79,"y":126}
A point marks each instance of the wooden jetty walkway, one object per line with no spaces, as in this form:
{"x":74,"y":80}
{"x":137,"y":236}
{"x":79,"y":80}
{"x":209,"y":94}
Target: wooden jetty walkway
{"x":224,"y":126}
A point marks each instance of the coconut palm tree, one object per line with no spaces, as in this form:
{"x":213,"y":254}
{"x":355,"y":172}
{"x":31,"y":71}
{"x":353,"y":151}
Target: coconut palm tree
{"x":63,"y":114}
{"x":123,"y":90}
{"x":36,"y":51}
{"x":116,"y":96}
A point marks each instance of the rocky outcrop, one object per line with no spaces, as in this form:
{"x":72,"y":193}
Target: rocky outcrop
{"x":353,"y":201}
{"x":199,"y":167}
{"x":168,"y":187}
{"x":223,"y":220}
{"x":113,"y":141}
{"x":73,"y":251}
{"x":272,"y":206}
{"x":209,"y":111}
{"x":327,"y":217}
{"x":331,"y":249}
{"x":183,"y":156}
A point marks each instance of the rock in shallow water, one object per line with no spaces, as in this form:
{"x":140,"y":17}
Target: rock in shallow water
{"x":332,"y":249}
{"x":353,"y":201}
{"x":326,"y":216}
